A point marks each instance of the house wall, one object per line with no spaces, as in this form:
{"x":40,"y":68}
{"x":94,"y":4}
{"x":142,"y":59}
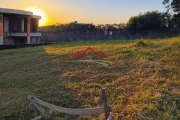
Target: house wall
{"x":18,"y":30}
{"x":28,"y":30}
{"x":8,"y":41}
{"x":20,"y":40}
{"x":14,"y":40}
{"x":22,"y":24}
{"x":16,"y":23}
{"x":35,"y":40}
{"x":34,"y":25}
{"x":6,"y":24}
{"x":1,"y":29}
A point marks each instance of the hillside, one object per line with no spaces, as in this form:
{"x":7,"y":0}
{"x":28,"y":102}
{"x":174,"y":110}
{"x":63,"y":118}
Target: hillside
{"x":142,"y":83}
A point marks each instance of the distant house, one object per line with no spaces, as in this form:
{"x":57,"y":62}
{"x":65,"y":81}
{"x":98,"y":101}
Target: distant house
{"x":18,"y":27}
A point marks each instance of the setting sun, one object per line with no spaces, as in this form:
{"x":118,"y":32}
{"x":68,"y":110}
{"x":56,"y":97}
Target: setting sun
{"x":38,"y":11}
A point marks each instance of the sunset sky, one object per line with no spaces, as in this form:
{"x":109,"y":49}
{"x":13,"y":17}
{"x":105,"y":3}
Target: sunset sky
{"x":85,"y":11}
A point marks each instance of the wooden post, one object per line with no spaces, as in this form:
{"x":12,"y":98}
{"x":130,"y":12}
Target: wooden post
{"x":106,"y":106}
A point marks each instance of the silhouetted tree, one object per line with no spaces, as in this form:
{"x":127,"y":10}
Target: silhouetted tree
{"x":81,"y":27}
{"x":175,"y":6}
{"x":111,"y":26}
{"x":149,"y":21}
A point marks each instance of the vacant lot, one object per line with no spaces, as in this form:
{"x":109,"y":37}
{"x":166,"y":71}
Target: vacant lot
{"x":143,"y":83}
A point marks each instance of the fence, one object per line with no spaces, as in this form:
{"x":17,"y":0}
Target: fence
{"x":59,"y":36}
{"x":87,"y":111}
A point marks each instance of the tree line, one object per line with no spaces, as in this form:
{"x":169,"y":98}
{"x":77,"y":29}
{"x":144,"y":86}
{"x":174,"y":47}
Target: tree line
{"x":82,"y":27}
{"x":141,"y":23}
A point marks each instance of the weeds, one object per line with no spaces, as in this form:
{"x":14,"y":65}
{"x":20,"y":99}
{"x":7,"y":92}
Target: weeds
{"x":142,"y":84}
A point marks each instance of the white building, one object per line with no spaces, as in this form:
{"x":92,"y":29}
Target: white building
{"x":18,"y":27}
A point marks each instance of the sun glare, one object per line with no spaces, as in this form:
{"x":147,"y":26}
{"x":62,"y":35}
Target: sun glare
{"x":38,"y":11}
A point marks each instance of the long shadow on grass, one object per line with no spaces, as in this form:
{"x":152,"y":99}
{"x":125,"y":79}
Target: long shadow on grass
{"x":32,"y":71}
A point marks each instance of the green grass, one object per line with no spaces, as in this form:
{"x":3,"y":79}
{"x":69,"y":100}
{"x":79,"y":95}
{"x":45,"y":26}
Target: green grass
{"x":144,"y":82}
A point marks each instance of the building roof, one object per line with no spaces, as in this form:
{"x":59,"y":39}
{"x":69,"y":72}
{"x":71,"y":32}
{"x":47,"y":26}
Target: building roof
{"x":13,"y":11}
{"x":18,"y":12}
{"x":36,"y":16}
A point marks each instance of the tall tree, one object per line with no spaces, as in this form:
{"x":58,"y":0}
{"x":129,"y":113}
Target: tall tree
{"x":149,"y":21}
{"x":175,"y":6}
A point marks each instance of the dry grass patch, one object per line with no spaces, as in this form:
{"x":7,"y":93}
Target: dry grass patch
{"x":143,"y":83}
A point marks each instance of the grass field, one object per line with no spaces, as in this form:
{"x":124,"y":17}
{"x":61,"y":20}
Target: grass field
{"x":143,"y":83}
